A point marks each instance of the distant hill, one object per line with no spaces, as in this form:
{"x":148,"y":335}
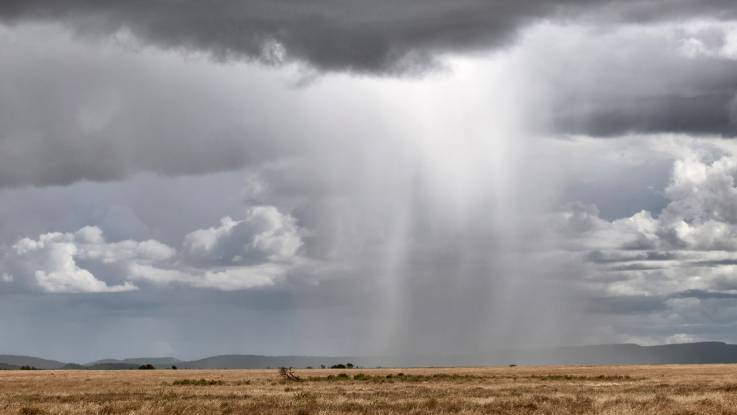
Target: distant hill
{"x":704,"y":352}
{"x":606,"y":354}
{"x":241,"y":361}
{"x":14,"y":360}
{"x":157,"y":362}
{"x":111,"y":366}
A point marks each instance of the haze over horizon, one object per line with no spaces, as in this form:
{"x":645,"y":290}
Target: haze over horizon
{"x":185,"y":178}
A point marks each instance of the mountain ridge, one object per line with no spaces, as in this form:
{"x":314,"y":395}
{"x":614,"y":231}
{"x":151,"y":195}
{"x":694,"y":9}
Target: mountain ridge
{"x":624,"y":353}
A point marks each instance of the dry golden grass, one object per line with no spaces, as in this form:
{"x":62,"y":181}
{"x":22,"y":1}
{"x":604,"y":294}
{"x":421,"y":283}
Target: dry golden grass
{"x":659,"y":390}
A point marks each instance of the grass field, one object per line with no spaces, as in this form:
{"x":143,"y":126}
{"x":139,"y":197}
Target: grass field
{"x":674,"y":389}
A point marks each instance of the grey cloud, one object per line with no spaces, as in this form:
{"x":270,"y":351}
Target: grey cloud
{"x":656,"y":82}
{"x":636,"y":267}
{"x":709,"y":112}
{"x":69,"y":112}
{"x":702,"y":294}
{"x":379,"y":36}
{"x":608,"y":257}
{"x":353,"y":35}
{"x":626,"y":304}
{"x":714,"y":263}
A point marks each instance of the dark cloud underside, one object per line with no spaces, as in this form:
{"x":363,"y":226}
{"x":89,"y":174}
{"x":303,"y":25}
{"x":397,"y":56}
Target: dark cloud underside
{"x":379,"y":36}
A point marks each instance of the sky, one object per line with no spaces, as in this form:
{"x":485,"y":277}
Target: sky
{"x":187,"y":178}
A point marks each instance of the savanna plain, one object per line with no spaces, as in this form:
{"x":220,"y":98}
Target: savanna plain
{"x":668,"y":389}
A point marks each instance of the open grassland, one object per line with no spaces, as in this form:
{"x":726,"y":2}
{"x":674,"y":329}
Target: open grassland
{"x":674,"y":389}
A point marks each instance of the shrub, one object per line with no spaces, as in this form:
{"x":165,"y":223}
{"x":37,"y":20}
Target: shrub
{"x":338,"y":366}
{"x":197,"y":382}
{"x":288,"y":375}
{"x":147,"y":366}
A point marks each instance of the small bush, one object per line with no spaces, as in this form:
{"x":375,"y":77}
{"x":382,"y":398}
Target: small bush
{"x":197,"y":382}
{"x":147,"y":366}
{"x":338,"y":366}
{"x":287,"y":375}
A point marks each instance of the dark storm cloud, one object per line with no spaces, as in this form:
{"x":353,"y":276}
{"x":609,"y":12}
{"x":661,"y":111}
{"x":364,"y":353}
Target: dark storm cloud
{"x":600,"y":257}
{"x":636,"y":267}
{"x":635,"y":304}
{"x":705,"y":295}
{"x":706,"y":113}
{"x":714,"y":263}
{"x":668,"y":78}
{"x":378,"y":36}
{"x":69,"y":112}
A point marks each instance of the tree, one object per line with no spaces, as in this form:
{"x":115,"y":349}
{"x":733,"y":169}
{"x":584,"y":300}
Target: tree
{"x":288,"y":374}
{"x":147,"y":366}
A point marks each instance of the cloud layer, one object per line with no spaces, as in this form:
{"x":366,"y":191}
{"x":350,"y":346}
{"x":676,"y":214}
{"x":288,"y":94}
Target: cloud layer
{"x":666,"y":270}
{"x":255,"y":252}
{"x":106,"y":109}
{"x":156,"y":187}
{"x":380,"y":37}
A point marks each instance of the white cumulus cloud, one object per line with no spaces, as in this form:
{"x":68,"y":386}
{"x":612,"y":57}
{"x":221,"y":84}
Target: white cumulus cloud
{"x":257,"y":251}
{"x":265,"y":234}
{"x":51,"y":262}
{"x":691,"y":244}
